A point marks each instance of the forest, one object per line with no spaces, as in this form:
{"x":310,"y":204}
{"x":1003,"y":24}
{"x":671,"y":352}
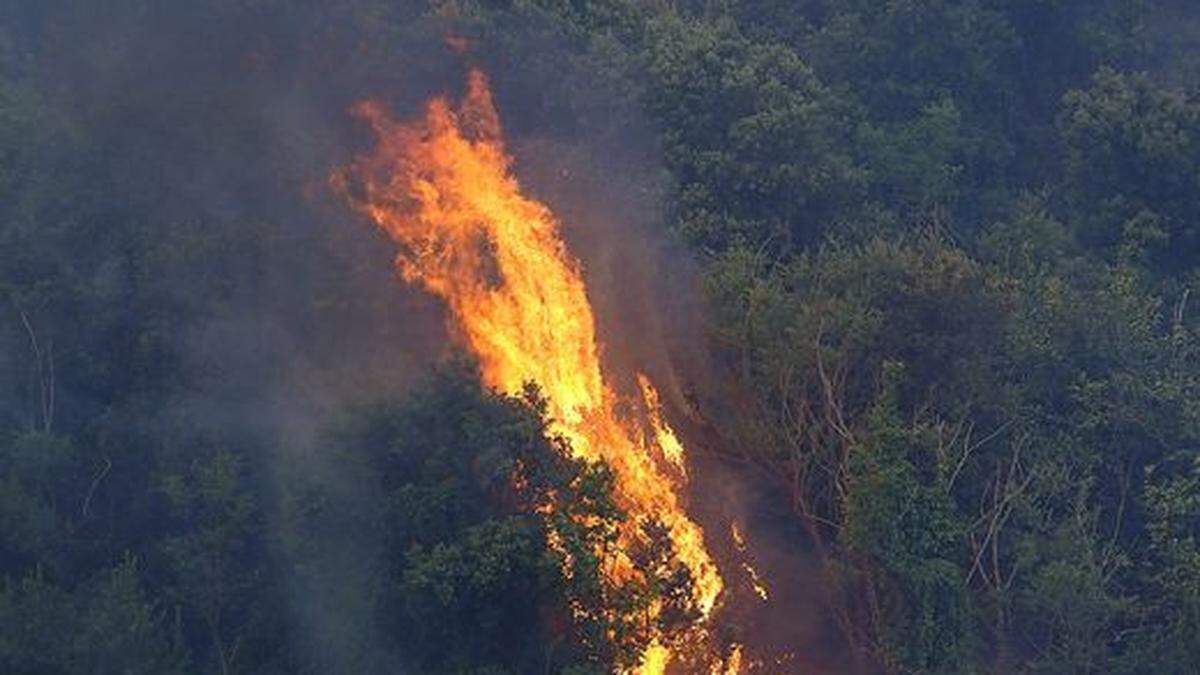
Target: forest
{"x":894,"y":301}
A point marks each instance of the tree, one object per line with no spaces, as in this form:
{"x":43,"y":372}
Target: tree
{"x":106,"y":626}
{"x":494,"y":537}
{"x":1133,"y":162}
{"x":217,"y":558}
{"x":751,"y":135}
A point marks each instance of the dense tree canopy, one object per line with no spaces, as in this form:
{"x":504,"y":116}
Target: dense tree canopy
{"x":948,"y":252}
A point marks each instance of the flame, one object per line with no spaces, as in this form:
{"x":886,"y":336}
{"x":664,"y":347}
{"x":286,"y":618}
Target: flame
{"x":756,"y":582}
{"x":734,"y":665}
{"x":654,"y":660}
{"x":442,"y":188}
{"x":664,"y":435}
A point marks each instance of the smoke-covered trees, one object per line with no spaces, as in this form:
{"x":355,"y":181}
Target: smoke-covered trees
{"x":950,"y":251}
{"x":993,"y":424}
{"x":493,"y":537}
{"x":974,"y":382}
{"x":976,"y":414}
{"x":108,"y":625}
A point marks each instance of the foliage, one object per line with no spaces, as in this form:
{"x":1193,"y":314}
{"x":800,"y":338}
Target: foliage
{"x":949,"y":251}
{"x":106,"y":626}
{"x":495,"y":536}
{"x":750,"y":134}
{"x":1132,"y":168}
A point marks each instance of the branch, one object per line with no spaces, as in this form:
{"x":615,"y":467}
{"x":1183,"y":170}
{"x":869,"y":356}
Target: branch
{"x":45,"y":381}
{"x":95,"y":484}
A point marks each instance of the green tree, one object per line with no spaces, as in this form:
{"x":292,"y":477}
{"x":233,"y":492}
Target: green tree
{"x":107,"y":625}
{"x":1133,"y":166}
{"x":494,"y":537}
{"x":753,"y":138}
{"x":217,"y":559}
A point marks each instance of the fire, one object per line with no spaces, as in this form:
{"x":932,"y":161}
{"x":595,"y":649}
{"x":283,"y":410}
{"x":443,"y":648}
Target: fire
{"x":664,"y":435}
{"x":442,"y":188}
{"x":756,"y":582}
{"x":654,"y":660}
{"x":734,"y":665}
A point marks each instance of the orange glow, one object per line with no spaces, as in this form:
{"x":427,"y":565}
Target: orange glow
{"x":734,"y":665}
{"x":664,"y":435}
{"x":756,"y":582}
{"x":654,"y":660}
{"x":442,"y":188}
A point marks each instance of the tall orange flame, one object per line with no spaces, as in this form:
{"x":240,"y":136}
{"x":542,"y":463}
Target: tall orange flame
{"x":442,"y":188}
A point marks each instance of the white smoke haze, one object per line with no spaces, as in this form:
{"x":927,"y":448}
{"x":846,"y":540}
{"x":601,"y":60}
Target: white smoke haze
{"x":252,"y":102}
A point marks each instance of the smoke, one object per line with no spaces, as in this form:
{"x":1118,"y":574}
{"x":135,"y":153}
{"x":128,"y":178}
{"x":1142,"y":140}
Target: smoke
{"x":217,"y":124}
{"x":220,"y":122}
{"x":643,"y":285}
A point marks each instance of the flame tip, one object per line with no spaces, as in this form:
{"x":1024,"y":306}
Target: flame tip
{"x":441,"y":186}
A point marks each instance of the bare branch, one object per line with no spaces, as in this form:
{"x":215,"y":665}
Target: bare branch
{"x":87,"y":502}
